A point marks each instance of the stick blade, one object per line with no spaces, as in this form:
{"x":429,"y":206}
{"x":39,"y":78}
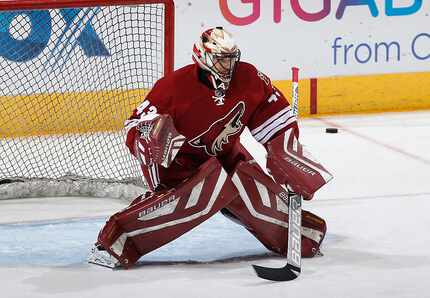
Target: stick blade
{"x":285,"y":273}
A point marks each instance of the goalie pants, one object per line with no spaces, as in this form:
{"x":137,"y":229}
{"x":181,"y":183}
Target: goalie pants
{"x":245,"y":194}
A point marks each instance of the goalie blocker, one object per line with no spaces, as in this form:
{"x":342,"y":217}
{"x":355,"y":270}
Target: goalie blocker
{"x":246,"y":195}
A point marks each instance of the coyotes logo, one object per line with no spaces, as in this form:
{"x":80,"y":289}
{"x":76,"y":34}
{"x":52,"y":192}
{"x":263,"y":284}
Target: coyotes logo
{"x":222,"y":129}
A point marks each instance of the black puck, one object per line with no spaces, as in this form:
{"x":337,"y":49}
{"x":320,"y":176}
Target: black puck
{"x":331,"y":130}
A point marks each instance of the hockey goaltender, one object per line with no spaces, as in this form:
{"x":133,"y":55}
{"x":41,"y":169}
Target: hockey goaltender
{"x":186,"y":136}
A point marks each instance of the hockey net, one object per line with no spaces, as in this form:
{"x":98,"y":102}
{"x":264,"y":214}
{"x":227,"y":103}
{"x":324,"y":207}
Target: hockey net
{"x":71,"y":73}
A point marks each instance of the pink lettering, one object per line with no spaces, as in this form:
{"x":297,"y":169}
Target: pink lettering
{"x":311,"y":17}
{"x":241,"y":21}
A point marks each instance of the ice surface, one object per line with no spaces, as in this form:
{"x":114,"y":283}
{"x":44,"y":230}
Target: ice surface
{"x":377,"y":211}
{"x":67,"y":242}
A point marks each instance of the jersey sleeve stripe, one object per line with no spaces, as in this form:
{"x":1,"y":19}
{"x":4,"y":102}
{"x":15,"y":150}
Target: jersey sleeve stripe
{"x":135,"y":121}
{"x":272,"y":125}
{"x":128,"y":124}
{"x":276,"y":129}
{"x":270,"y":120}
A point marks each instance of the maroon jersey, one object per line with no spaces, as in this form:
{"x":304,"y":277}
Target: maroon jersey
{"x":210,"y":121}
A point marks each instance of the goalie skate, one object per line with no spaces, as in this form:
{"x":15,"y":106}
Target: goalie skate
{"x":101,"y":257}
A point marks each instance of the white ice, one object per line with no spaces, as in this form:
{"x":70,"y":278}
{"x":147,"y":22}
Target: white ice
{"x":377,"y":210}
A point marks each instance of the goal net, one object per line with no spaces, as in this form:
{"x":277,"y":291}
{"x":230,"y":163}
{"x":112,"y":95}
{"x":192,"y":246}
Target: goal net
{"x":71,"y":73}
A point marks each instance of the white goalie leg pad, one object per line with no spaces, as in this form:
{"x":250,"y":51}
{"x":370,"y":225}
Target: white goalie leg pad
{"x":262,"y":206}
{"x":165,"y":215}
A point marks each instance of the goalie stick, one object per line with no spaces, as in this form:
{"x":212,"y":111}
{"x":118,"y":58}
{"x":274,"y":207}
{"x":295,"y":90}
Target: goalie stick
{"x":294,"y":253}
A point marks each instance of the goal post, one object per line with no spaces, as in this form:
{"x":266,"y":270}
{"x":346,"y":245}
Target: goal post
{"x":71,"y":73}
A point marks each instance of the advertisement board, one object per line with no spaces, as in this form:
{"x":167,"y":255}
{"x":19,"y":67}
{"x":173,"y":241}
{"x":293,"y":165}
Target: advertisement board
{"x":323,"y":37}
{"x":355,"y":56}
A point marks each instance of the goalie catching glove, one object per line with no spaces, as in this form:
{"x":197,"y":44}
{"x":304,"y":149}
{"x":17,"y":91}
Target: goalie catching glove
{"x":154,"y":140}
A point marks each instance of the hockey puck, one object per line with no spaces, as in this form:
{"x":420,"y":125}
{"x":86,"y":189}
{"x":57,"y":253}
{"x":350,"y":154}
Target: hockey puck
{"x":331,"y":130}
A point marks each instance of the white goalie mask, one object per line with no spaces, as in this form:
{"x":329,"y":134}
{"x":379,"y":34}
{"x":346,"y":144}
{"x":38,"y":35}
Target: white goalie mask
{"x":217,"y":53}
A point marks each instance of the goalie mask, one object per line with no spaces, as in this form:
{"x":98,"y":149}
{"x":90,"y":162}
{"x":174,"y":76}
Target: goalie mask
{"x":217,"y":53}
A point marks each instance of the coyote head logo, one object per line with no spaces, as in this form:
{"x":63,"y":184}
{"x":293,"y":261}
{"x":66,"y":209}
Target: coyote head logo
{"x":218,"y":133}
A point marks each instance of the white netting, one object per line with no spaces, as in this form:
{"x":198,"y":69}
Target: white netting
{"x":68,"y":80}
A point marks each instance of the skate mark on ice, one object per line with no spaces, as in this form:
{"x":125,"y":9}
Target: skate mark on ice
{"x":335,"y":201}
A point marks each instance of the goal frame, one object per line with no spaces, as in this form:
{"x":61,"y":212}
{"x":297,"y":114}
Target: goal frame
{"x":18,"y":187}
{"x":169,"y":16}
